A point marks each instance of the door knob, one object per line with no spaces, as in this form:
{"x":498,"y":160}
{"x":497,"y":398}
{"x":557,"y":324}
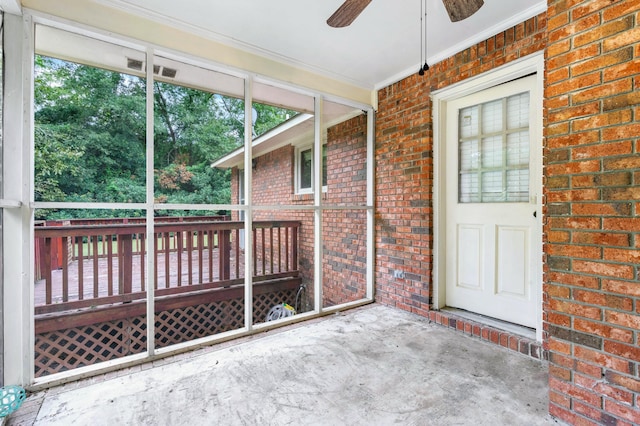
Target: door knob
{"x":535,"y":214}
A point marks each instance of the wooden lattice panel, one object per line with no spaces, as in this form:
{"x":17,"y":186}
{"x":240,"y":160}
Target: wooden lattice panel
{"x":75,"y":347}
{"x":184,"y":324}
{"x":264,"y":302}
{"x":80,"y":346}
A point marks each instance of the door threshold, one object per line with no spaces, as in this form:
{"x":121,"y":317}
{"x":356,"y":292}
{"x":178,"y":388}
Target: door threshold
{"x":520,"y":330}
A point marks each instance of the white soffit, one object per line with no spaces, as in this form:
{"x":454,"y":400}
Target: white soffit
{"x":381,"y":46}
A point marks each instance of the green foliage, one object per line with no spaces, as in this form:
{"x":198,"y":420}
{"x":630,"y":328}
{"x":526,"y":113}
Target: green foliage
{"x":90,"y":139}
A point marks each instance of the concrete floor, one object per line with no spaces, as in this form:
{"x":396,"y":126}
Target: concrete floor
{"x":369,"y":366}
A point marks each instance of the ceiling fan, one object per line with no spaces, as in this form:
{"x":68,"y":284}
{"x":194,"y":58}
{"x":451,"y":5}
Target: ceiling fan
{"x":350,"y":9}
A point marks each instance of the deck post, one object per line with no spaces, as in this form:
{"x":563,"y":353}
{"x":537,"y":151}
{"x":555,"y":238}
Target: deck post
{"x":224,"y":246}
{"x":126,"y":264}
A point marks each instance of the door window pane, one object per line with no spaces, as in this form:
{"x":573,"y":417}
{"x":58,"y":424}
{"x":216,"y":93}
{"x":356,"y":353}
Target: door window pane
{"x":494,"y":151}
{"x":492,"y":116}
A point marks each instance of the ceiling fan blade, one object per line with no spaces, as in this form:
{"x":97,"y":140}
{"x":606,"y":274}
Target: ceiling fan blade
{"x":461,"y":9}
{"x":347,"y":13}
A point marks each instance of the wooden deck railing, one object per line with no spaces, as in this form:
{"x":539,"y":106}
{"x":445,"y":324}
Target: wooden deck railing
{"x":104,"y":264}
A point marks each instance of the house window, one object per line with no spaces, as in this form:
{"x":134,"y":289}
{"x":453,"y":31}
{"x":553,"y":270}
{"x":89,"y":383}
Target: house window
{"x":305,"y":168}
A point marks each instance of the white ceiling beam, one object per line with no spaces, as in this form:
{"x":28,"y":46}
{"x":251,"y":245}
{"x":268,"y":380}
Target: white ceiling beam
{"x":11,"y":6}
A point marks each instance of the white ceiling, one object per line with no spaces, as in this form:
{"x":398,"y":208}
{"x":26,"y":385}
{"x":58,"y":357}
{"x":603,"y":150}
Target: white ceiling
{"x":382,"y":46}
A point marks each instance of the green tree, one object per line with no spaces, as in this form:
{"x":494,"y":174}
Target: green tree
{"x":90,"y":137}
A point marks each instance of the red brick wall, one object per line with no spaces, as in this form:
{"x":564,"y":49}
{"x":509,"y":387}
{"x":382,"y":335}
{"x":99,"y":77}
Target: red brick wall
{"x":592,"y":188}
{"x":344,"y":231}
{"x":404,"y":164}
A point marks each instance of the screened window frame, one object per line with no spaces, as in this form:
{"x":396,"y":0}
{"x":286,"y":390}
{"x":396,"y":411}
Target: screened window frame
{"x":21,"y":355}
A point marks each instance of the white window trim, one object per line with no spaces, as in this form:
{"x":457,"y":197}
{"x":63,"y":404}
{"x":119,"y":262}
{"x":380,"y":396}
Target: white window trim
{"x":296,"y":170}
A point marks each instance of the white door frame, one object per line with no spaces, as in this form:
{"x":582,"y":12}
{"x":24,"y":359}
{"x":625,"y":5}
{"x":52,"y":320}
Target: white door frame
{"x":529,"y":65}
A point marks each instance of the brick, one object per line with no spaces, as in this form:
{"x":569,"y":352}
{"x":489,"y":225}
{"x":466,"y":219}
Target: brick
{"x":557,"y":291}
{"x":583,"y":252}
{"x":556,"y":103}
{"x":621,"y":194}
{"x":614,"y":179}
{"x":616,"y":393}
{"x":558,"y":236}
{"x":575,"y":223}
{"x":623,"y":319}
{"x":601,"y":299}
{"x":573,"y":56}
{"x":602,"y":61}
{"x":494,"y":336}
{"x":575,"y":337}
{"x":504,"y":340}
{"x":630,"y":162}
{"x":569,"y":86}
{"x":603,"y":209}
{"x":558,"y":263}
{"x":557,"y":182}
{"x":602,"y":238}
{"x":625,"y":70}
{"x":559,"y":319}
{"x":587,"y":194}
{"x":574,"y":280}
{"x":574,"y":139}
{"x":559,"y":372}
{"x":622,"y":100}
{"x":583,"y":181}
{"x":619,"y":9}
{"x":570,"y":417}
{"x":602,"y":330}
{"x":559,"y":399}
{"x":620,"y":132}
{"x":603,"y":269}
{"x":602,"y":31}
{"x":623,"y":39}
{"x":557,"y":76}
{"x":602,"y":91}
{"x":558,"y":21}
{"x":624,"y":351}
{"x":601,"y":120}
{"x":631,"y":289}
{"x":588,"y":369}
{"x":576,"y":309}
{"x":633,"y":384}
{"x":558,"y":48}
{"x":602,"y":359}
{"x":559,"y":115}
{"x":622,"y":255}
{"x":622,"y":224}
{"x":559,"y":209}
{"x":578,"y":393}
{"x":587,"y":410}
{"x":629,"y":413}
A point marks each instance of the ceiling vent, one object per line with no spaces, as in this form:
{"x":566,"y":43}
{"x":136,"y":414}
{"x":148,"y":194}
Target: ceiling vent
{"x":137,"y":65}
{"x":134,"y":64}
{"x":169,"y":72}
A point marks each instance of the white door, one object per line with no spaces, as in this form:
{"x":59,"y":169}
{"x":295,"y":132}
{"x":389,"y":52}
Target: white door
{"x":492,"y":175}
